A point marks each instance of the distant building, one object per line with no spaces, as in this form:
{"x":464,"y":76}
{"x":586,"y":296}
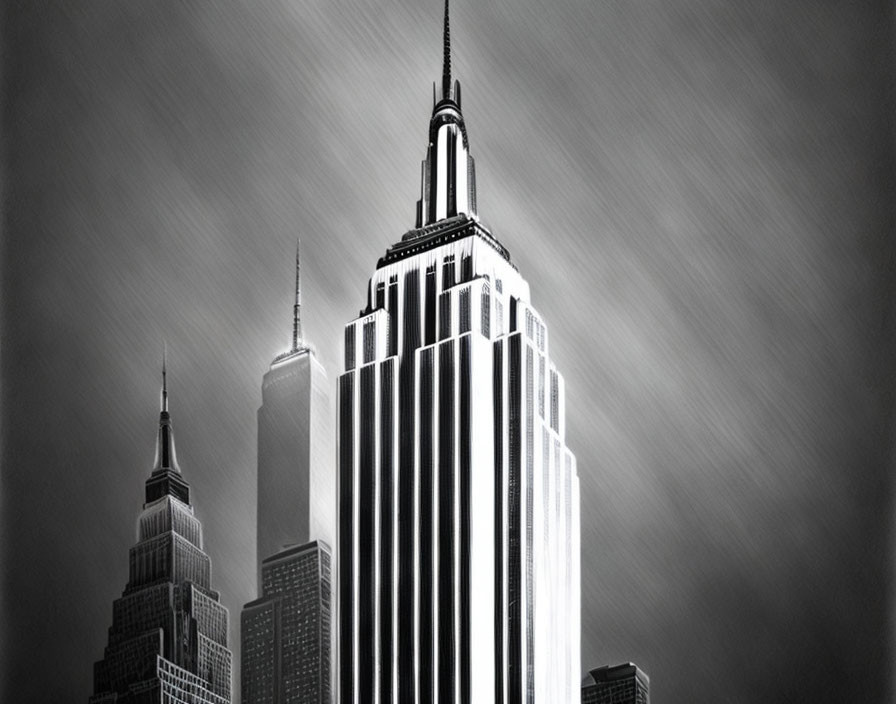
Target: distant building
{"x":296,"y":480}
{"x":168,"y":640}
{"x":286,"y":633}
{"x":620,"y":684}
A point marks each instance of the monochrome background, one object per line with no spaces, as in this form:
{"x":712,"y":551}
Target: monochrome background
{"x":699,"y":192}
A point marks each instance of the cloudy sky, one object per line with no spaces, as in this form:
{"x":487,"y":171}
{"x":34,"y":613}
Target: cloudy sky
{"x":699,"y":192}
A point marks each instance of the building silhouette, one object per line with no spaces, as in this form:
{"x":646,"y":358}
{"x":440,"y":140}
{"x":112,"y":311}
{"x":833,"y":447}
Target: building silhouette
{"x":168,"y":640}
{"x":620,"y":684}
{"x":458,"y":515}
{"x":287,"y":633}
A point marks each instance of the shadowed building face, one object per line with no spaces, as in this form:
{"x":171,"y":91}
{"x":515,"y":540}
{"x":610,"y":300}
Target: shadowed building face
{"x":169,"y":635}
{"x":621,"y":684}
{"x":286,"y":633}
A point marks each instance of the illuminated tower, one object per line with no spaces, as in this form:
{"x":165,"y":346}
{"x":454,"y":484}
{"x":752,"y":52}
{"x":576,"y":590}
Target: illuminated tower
{"x":287,"y":633}
{"x":168,"y":640}
{"x":296,"y":482}
{"x":458,"y":513}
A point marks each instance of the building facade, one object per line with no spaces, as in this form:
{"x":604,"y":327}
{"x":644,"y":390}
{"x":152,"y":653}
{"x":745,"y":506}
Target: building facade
{"x":168,"y":643}
{"x":286,"y":633}
{"x":458,"y":514}
{"x":621,"y":684}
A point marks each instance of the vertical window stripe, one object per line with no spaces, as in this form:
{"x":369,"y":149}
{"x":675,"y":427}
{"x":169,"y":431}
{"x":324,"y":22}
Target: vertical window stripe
{"x":366,"y":532}
{"x":500,"y":493}
{"x":406,"y":526}
{"x":427,"y":565}
{"x":387,"y":510}
{"x":446,"y":498}
{"x":465,"y":498}
{"x":514,"y":566}
{"x":441,"y":192}
{"x":345,"y":530}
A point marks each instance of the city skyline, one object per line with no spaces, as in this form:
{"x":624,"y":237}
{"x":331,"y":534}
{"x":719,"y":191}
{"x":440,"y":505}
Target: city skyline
{"x":724,"y":177}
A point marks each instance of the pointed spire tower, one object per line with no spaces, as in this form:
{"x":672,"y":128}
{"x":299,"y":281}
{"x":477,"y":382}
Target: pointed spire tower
{"x":448,"y":179}
{"x":169,"y":635}
{"x":287,"y":632}
{"x":295,"y":485}
{"x":165,"y":455}
{"x":458,"y":513}
{"x":166,"y":477}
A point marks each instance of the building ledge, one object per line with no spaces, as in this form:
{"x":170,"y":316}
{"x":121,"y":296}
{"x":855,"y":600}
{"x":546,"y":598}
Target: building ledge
{"x":423,"y":239}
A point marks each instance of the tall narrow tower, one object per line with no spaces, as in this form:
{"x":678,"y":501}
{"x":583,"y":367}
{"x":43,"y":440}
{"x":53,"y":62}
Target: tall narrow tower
{"x":168,"y":640}
{"x":458,"y":544}
{"x":287,"y":633}
{"x":296,"y":483}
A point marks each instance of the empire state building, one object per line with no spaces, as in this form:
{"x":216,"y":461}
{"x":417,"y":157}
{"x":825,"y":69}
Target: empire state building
{"x":169,"y":634}
{"x":458,"y":507}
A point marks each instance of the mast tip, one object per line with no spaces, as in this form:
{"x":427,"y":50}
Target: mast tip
{"x":446,"y":60}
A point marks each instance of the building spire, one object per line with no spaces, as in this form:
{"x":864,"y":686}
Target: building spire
{"x":448,"y":176}
{"x":446,"y":60}
{"x":165,"y":455}
{"x":164,"y":403}
{"x":297,"y":307}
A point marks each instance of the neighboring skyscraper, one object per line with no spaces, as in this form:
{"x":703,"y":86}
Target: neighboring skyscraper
{"x":458,"y":499}
{"x":286,"y":633}
{"x":621,"y":684}
{"x":168,"y":640}
{"x":296,"y":482}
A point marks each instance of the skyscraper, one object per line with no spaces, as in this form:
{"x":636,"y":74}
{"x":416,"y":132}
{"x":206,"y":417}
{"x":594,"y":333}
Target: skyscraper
{"x":296,"y":483}
{"x":287,"y":633}
{"x":168,"y":640}
{"x":458,"y":511}
{"x":620,"y":684}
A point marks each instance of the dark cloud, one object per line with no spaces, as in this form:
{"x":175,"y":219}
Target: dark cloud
{"x":699,"y":194}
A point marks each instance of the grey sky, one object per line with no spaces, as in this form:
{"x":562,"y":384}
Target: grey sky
{"x":698,"y":192}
